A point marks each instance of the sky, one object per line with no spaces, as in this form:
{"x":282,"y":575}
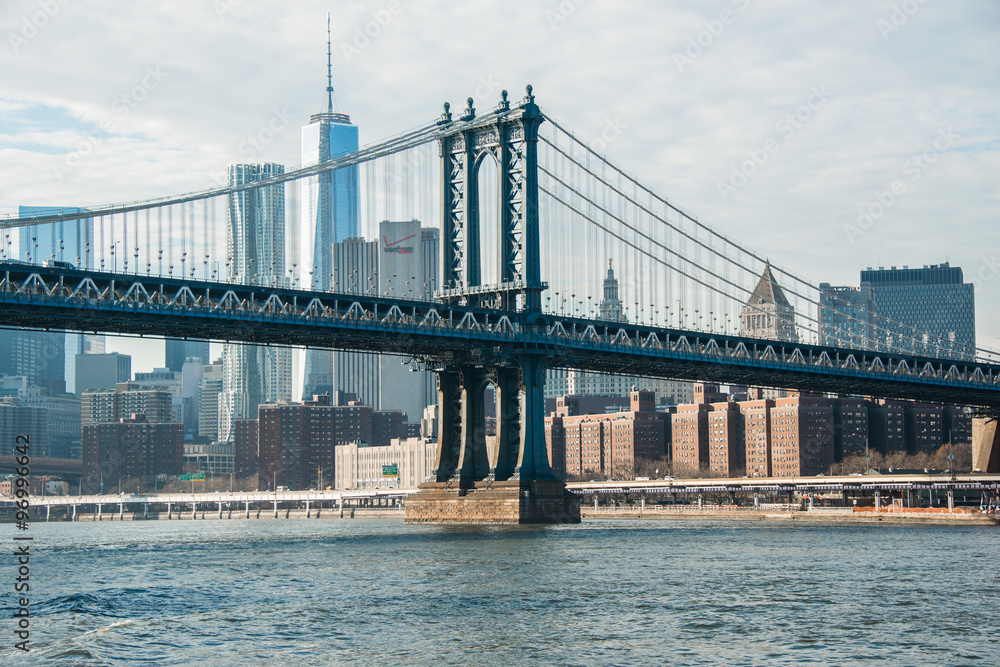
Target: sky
{"x":829,"y":136}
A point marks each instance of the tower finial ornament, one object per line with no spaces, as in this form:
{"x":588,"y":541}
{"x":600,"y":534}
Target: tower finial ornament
{"x":329,"y":68}
{"x":470,"y":112}
{"x":446,"y":116}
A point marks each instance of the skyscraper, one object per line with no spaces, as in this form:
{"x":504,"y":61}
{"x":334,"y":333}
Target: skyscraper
{"x":403,"y":262}
{"x":355,"y":272}
{"x":37,"y":355}
{"x":70,"y":241}
{"x":847,"y":317}
{"x":611,"y":305}
{"x":329,"y":212}
{"x":80,"y":343}
{"x":101,"y":371}
{"x":928,"y":310}
{"x":256,"y":237}
{"x":176,"y":351}
{"x":407,"y":268}
{"x":209,"y":390}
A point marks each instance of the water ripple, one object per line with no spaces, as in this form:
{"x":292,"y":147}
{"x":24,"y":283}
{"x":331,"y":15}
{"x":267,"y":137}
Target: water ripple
{"x":604,"y":593}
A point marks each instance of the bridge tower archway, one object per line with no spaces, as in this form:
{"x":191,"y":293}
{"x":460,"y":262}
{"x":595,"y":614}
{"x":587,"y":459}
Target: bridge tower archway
{"x":509,"y":135}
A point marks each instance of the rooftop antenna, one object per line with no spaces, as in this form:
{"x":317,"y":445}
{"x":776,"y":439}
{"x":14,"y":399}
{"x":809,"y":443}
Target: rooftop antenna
{"x":329,"y":68}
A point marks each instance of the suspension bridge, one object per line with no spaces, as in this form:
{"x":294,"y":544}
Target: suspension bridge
{"x":528,"y":216}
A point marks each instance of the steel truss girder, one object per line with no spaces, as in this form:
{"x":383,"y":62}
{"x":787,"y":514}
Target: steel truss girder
{"x":71,"y":299}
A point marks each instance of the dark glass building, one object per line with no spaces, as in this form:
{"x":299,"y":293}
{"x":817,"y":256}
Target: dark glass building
{"x":176,"y":351}
{"x":928,"y":311}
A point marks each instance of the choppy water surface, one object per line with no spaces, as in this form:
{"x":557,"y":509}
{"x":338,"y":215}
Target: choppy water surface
{"x":376,"y":592}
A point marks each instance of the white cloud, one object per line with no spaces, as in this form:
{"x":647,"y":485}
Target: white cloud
{"x":685,"y":129}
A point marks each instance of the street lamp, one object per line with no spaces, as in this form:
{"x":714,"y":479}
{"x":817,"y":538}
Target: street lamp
{"x":951,"y":453}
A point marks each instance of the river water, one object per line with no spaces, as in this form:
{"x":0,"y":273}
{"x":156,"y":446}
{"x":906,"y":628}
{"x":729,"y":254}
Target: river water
{"x":377,"y":592}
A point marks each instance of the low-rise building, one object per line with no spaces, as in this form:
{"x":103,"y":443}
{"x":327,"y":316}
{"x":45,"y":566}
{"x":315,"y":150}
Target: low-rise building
{"x":361,"y":467}
{"x":215,"y":459}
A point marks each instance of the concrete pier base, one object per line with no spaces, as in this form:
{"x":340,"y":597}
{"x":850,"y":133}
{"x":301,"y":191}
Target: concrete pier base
{"x":988,"y":459}
{"x":493,"y":503}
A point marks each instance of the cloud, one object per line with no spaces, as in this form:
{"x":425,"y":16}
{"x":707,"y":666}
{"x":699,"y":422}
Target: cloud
{"x":685,"y":129}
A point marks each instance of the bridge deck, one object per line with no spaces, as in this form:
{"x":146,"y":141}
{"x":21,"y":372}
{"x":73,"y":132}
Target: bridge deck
{"x":77,"y":300}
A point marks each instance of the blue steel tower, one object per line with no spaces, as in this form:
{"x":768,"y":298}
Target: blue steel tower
{"x":329,"y":211}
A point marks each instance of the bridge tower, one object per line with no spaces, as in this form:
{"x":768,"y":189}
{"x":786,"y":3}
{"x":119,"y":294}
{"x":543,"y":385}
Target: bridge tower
{"x":512,"y":481}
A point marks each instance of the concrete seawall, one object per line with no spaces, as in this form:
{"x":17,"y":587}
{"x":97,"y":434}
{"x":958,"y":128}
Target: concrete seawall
{"x":829,"y":516}
{"x":836,"y":515}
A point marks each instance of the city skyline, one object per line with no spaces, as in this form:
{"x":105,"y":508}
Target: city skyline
{"x":923,"y":119}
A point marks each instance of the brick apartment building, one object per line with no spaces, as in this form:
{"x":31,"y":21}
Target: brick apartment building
{"x":609,"y":444}
{"x":296,"y":442}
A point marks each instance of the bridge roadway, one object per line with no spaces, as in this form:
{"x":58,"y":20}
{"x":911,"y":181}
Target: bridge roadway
{"x":848,"y":483}
{"x":60,"y":298}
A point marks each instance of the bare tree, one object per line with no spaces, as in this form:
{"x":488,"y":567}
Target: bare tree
{"x":652,"y":468}
{"x":935,"y":460}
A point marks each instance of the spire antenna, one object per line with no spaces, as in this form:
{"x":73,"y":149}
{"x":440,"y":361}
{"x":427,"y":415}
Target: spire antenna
{"x":329,"y":68}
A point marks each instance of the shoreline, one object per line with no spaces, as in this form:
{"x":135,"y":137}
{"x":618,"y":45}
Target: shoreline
{"x":822,"y":516}
{"x":833,"y":515}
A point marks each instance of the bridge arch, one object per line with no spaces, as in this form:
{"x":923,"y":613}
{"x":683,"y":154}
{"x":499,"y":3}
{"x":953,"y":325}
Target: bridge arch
{"x":486,"y":176}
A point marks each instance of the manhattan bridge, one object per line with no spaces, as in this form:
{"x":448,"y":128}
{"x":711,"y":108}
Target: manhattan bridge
{"x":529,"y":217}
